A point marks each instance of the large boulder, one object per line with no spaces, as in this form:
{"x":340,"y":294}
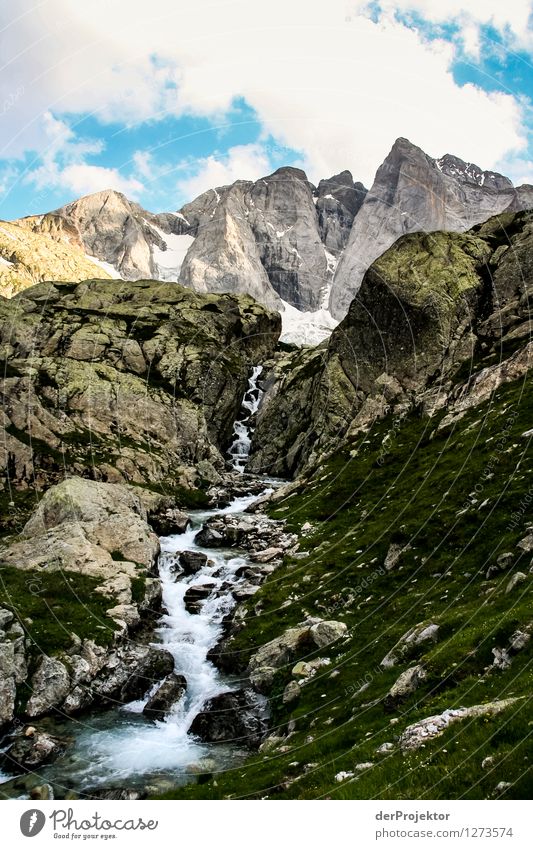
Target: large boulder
{"x":165,"y":697}
{"x":234,"y":717}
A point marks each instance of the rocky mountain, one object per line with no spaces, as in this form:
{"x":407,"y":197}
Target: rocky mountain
{"x":294,"y":247}
{"x":412,"y":192}
{"x":27,"y":258}
{"x":427,"y":306}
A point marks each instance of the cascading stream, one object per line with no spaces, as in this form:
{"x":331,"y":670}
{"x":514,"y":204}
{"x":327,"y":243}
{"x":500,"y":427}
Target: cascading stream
{"x":123,"y":745}
{"x":242,"y":429}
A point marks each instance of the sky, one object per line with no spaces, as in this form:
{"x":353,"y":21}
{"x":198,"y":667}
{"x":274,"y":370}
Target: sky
{"x":163,"y":100}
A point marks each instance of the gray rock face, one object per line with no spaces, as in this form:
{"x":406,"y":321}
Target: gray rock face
{"x":115,"y":381}
{"x":50,"y":685}
{"x":281,"y":237}
{"x":412,"y":192}
{"x":422,"y":310}
{"x":262,"y":238}
{"x":338,"y":201}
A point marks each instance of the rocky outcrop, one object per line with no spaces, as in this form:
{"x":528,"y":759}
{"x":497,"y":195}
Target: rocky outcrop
{"x":28,"y":257}
{"x":96,"y":532}
{"x":276,"y":654}
{"x":234,"y":717}
{"x":338,"y":200}
{"x":113,"y":230}
{"x":125,"y":382}
{"x":431,"y":303}
{"x":419,"y":733}
{"x":262,"y":238}
{"x":413,"y":192}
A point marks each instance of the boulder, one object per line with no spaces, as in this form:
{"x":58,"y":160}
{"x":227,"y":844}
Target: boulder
{"x":405,"y":685}
{"x":50,"y":685}
{"x":31,"y":752}
{"x":234,"y":717}
{"x":420,"y":732}
{"x":169,"y":521}
{"x":129,"y":672}
{"x":209,"y":538}
{"x":192,"y":561}
{"x":277,"y":653}
{"x":165,"y":697}
{"x":196,"y":595}
{"x":291,"y":692}
{"x":409,"y":643}
{"x":324,"y":633}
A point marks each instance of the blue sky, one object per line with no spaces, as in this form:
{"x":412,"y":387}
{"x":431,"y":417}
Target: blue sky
{"x":164,"y":102}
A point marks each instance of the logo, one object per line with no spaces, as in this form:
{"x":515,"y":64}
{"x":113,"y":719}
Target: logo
{"x":32,"y":822}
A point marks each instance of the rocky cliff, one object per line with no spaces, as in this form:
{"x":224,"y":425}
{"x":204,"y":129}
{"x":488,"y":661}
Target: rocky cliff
{"x":413,"y":192}
{"x":133,"y":382}
{"x":27,"y":258}
{"x":394,"y":640}
{"x":432,"y":304}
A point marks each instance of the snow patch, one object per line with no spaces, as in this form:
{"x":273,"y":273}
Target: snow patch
{"x":169,"y":262}
{"x":111,"y":270}
{"x":306,"y":328}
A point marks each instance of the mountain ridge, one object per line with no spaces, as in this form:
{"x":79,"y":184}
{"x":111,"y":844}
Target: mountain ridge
{"x":281,"y":239}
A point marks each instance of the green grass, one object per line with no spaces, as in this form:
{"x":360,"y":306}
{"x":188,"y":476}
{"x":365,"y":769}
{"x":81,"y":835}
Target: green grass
{"x":54,"y":605}
{"x":459,"y":497}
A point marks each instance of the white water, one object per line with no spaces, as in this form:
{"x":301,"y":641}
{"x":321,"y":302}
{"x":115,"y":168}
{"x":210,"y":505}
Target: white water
{"x":242,"y":429}
{"x":123,"y":745}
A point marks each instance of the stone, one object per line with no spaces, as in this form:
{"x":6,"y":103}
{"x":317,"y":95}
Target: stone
{"x":407,"y":683}
{"x":291,"y":692}
{"x":233,"y":717}
{"x":385,"y":749}
{"x":266,"y":555}
{"x":168,"y":694}
{"x":517,"y":579}
{"x":42,"y":792}
{"x":420,"y":732}
{"x":324,"y":633}
{"x":129,"y":672}
{"x":169,"y":521}
{"x":210,"y":538}
{"x":196,"y":595}
{"x":50,"y":685}
{"x":192,"y":561}
{"x":277,"y":653}
{"x":409,"y":643}
{"x":30,"y":753}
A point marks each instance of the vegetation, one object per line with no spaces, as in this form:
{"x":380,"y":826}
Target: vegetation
{"x":454,"y":499}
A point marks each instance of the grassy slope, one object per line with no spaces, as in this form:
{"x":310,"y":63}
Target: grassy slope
{"x":416,"y":487}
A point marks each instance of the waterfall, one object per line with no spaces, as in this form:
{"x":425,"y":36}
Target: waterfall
{"x":242,"y":429}
{"x":124,"y":746}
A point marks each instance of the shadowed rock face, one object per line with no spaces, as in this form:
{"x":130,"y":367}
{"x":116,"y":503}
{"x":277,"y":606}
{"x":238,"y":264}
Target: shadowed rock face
{"x":124,"y":382}
{"x":430,"y":303}
{"x":411,"y":192}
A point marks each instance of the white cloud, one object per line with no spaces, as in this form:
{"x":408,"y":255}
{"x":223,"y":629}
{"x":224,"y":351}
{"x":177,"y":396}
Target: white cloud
{"x":323,"y":79}
{"x":63,"y":164}
{"x":242,"y":162}
{"x":511,"y":19}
